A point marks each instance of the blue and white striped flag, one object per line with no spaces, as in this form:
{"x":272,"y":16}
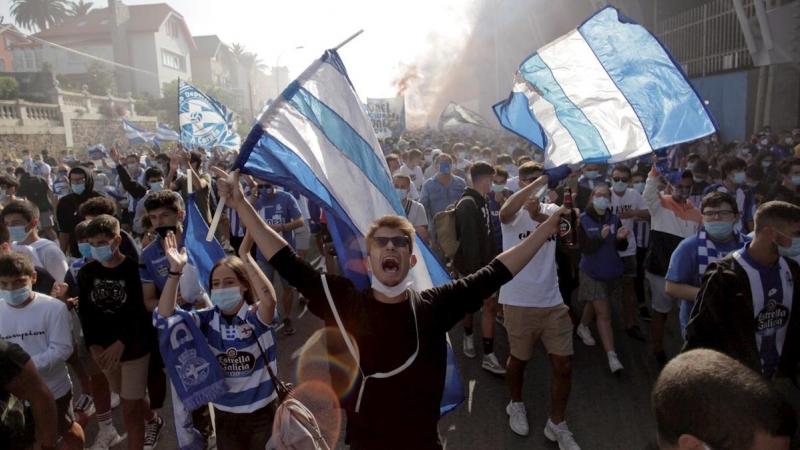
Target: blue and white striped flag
{"x":202,"y":254}
{"x":136,"y":135}
{"x":204,"y":121}
{"x":607,"y":91}
{"x":317,"y":139}
{"x":166,"y":134}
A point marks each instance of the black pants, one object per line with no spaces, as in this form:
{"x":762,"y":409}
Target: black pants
{"x":247,"y":431}
{"x":638,"y":283}
{"x":566,"y":268}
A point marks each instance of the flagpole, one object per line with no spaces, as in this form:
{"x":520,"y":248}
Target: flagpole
{"x":348,"y":39}
{"x":212,"y":228}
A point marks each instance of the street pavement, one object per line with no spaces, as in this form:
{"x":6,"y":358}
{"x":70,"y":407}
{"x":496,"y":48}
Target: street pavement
{"x":605,"y":412}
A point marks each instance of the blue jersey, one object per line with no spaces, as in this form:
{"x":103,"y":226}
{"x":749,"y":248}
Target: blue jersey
{"x":280,"y":209}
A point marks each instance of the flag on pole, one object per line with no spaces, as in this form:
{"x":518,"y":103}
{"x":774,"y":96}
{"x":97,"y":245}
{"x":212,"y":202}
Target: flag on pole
{"x":202,"y":254}
{"x":204,"y":122}
{"x":318,"y":140}
{"x":136,"y":135}
{"x":455,"y":115}
{"x":607,"y":91}
{"x":166,"y":134}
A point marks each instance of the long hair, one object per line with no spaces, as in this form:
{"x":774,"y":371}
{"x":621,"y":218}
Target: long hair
{"x":237,"y":266}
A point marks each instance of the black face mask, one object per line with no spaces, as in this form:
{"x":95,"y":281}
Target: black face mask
{"x":162,"y":231}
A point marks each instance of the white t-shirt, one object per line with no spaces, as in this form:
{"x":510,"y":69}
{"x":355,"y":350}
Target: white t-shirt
{"x":513,"y":184}
{"x":28,"y":250}
{"x":536,"y":285}
{"x":53,"y":260}
{"x":416,"y":214}
{"x":632,"y":200}
{"x":44,"y":330}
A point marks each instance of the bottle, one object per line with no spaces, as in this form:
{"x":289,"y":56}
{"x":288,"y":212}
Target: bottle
{"x":568,"y":231}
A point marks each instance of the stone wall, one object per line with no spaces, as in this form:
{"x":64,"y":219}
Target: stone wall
{"x":105,"y":131}
{"x":15,"y":143}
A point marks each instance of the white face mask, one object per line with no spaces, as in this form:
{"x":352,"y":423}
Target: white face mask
{"x":390,"y":291}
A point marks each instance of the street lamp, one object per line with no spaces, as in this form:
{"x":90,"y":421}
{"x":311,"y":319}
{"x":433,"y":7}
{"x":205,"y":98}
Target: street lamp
{"x":277,"y":77}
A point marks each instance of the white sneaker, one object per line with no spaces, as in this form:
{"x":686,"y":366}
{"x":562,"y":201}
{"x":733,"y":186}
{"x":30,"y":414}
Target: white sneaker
{"x":469,"y":347}
{"x":613,"y":363}
{"x":561,"y":434}
{"x":114,"y":400}
{"x":586,"y":335}
{"x":518,"y":418}
{"x":106,"y":437}
{"x":491,"y":364}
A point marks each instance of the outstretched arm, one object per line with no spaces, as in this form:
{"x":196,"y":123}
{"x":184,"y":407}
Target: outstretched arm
{"x":519,"y":255}
{"x":512,"y":206}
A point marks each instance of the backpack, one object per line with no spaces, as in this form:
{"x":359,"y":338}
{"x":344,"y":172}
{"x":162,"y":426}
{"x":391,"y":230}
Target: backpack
{"x":445,"y":225}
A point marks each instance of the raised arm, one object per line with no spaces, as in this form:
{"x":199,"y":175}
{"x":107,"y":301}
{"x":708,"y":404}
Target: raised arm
{"x":512,"y":206}
{"x":268,"y":241}
{"x":263,"y":291}
{"x":177,"y":260}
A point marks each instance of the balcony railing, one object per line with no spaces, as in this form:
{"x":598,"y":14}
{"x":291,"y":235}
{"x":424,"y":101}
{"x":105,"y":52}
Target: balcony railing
{"x":22,"y":113}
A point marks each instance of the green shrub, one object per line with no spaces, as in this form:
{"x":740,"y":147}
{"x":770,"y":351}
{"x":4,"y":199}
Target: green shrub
{"x":8,"y":88}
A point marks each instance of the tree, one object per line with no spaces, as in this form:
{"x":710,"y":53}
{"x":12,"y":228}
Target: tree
{"x":238,"y":50}
{"x":79,"y":8}
{"x":99,"y":78}
{"x":41,"y":14}
{"x":8,"y":88}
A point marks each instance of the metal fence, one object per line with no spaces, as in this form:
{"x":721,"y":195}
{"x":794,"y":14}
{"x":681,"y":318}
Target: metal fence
{"x":708,"y":39}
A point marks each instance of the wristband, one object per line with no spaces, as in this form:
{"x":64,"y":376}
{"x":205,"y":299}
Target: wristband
{"x":174,"y":273}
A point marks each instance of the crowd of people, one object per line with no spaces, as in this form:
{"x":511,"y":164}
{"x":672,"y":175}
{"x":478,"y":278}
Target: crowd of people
{"x":94,"y":278}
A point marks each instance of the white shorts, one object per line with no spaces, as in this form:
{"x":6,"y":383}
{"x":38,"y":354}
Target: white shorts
{"x":662,"y":302}
{"x":302,"y":237}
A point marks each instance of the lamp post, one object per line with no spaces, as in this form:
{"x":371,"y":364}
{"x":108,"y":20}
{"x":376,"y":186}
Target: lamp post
{"x":277,"y":62}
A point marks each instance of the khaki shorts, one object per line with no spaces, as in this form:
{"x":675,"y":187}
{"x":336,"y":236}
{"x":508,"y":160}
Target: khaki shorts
{"x":526,"y":325}
{"x":129,"y":379}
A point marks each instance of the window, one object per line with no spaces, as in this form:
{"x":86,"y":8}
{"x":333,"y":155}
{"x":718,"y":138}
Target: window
{"x":173,"y":60}
{"x":172,"y":27}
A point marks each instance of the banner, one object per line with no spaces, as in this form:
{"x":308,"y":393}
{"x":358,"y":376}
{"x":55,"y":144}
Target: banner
{"x":455,"y":116}
{"x":388,"y":116}
{"x":136,"y":135}
{"x":605,"y":92}
{"x":204,"y":122}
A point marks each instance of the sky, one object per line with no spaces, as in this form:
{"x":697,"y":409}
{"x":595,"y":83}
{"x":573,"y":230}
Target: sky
{"x":396,"y":34}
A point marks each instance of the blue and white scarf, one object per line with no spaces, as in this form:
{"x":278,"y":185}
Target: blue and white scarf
{"x":195,"y":375}
{"x":707,"y":252}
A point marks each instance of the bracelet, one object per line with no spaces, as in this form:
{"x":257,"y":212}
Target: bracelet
{"x":174,"y":273}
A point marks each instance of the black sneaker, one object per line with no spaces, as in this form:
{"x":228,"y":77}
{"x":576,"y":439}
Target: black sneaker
{"x":635,"y":333}
{"x":644,"y":313}
{"x":288,"y":329}
{"x":152,"y":431}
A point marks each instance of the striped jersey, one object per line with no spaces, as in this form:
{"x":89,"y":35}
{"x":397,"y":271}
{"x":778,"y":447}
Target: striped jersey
{"x":235,"y":223}
{"x":641,"y":229}
{"x":240,"y":357}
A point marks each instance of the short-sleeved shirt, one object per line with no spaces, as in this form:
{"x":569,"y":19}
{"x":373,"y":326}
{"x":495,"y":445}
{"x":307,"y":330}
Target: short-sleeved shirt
{"x":631,"y":200}
{"x":154,"y":268}
{"x":415,"y":213}
{"x":536,"y":285}
{"x":278,"y":209}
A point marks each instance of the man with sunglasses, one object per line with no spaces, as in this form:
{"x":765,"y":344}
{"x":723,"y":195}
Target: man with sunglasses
{"x":627,"y":203}
{"x":715,"y":239}
{"x":400,"y":333}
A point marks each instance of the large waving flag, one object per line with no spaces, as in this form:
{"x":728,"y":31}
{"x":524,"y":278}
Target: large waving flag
{"x":166,"y":134}
{"x":317,"y":139}
{"x":136,"y":135}
{"x":204,"y":121}
{"x":607,"y":91}
{"x":202,"y":254}
{"x":455,"y":115}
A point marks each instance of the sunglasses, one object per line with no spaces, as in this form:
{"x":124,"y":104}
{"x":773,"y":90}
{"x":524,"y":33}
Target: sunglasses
{"x":397,"y":241}
{"x":618,"y":179}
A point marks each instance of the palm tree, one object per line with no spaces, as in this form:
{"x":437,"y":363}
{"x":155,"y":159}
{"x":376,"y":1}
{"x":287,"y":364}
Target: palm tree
{"x":41,"y":14}
{"x":79,"y":8}
{"x":238,"y":51}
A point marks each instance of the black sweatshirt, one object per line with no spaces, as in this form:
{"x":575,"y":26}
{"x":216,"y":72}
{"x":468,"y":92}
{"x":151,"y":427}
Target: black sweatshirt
{"x":402,"y":411}
{"x":111,"y":307}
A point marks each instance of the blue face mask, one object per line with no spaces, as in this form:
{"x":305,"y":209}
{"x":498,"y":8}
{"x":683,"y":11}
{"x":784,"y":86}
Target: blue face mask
{"x":402,"y":193}
{"x":739,"y":177}
{"x":511,"y":168}
{"x":766,"y":164}
{"x":790,"y":251}
{"x":619,"y":186}
{"x":18,"y":234}
{"x":600,"y":205}
{"x":86,"y":249}
{"x":639,"y":187}
{"x":78,"y":188}
{"x":497,"y":187}
{"x":225,"y":298}
{"x":17,"y":296}
{"x":155,"y":187}
{"x":103,"y":253}
{"x":796,"y":180}
{"x":428,"y":158}
{"x":690,"y":166}
{"x":591,"y":174}
{"x":444,"y":168}
{"x":463,"y":155}
{"x":719,"y":230}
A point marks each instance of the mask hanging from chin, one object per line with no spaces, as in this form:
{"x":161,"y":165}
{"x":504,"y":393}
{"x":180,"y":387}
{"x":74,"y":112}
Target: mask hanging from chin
{"x":390,"y":291}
